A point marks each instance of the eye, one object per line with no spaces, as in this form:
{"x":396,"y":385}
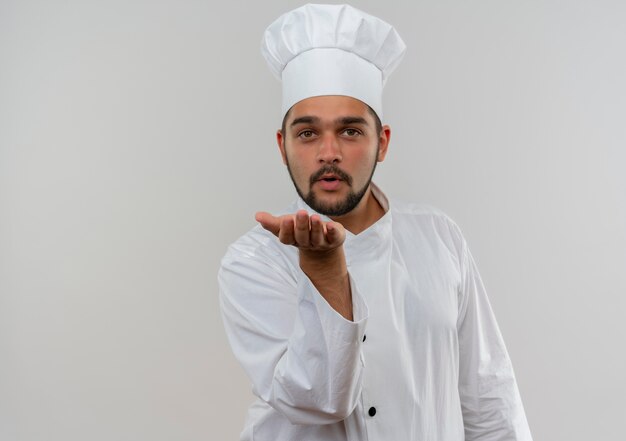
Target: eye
{"x":351,"y":132}
{"x":306,"y":134}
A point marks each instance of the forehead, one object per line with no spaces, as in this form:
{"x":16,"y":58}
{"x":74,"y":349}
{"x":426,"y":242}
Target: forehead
{"x":329,"y":108}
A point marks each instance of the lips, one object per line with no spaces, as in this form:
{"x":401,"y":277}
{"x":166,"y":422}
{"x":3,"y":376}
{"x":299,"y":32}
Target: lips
{"x":329,"y":178}
{"x":329,"y":182}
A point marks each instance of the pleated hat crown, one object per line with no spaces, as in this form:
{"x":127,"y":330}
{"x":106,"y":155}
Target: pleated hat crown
{"x":331,"y":50}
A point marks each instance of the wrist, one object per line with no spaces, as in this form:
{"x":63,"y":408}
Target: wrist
{"x":328,"y":272}
{"x":327,"y":265}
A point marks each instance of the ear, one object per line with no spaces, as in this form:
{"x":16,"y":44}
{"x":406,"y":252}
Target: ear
{"x":280,"y":140}
{"x":385,"y":136}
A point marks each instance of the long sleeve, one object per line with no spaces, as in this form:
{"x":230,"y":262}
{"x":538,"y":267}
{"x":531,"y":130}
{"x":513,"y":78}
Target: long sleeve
{"x":491,"y":404}
{"x":302,"y":357}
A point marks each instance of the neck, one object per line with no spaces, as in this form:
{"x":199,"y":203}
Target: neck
{"x":364,"y":215}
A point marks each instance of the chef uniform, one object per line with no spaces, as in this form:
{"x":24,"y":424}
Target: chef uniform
{"x":423,"y":358}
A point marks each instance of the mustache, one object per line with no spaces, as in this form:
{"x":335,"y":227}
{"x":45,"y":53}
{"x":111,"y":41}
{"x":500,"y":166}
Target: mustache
{"x":331,"y":169}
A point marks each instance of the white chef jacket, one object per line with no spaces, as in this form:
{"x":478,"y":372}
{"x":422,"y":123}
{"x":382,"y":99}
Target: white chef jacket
{"x":423,"y":359}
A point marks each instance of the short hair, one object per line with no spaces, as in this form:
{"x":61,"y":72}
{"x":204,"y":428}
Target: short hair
{"x":379,"y":124}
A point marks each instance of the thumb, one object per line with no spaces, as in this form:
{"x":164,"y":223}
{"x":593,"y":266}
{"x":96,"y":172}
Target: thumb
{"x":269,"y":222}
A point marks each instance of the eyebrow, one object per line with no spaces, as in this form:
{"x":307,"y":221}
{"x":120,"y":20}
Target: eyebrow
{"x":305,"y":120}
{"x":349,"y":120}
{"x":346,"y":120}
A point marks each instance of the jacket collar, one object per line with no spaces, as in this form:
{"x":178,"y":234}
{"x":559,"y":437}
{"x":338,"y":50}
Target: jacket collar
{"x":373,"y":241}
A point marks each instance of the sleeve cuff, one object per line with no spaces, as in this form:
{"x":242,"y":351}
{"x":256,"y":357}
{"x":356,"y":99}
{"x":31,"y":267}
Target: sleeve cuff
{"x":329,"y":317}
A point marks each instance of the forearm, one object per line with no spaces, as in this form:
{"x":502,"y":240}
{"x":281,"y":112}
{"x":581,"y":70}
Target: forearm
{"x":302,"y":357}
{"x":318,"y":378}
{"x":490,"y":399}
{"x":328,"y":272}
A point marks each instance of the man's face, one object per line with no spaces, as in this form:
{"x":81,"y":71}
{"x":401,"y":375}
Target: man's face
{"x":331,"y":147}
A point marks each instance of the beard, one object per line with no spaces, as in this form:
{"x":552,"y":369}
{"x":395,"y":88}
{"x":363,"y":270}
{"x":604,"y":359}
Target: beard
{"x":338,"y":208}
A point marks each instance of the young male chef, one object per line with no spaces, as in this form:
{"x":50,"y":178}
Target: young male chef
{"x":357,"y":316}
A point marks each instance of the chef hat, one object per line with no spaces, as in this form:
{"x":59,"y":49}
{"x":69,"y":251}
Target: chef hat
{"x":331,"y":50}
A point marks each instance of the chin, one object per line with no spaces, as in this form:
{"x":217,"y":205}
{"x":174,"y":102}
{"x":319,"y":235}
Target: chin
{"x":338,"y":205}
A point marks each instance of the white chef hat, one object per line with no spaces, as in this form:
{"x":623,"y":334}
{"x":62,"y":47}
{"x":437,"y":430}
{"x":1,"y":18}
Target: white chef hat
{"x":331,"y":50}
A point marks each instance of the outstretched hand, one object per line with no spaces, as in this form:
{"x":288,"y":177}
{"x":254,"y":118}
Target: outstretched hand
{"x":304,"y":231}
{"x":321,"y":253}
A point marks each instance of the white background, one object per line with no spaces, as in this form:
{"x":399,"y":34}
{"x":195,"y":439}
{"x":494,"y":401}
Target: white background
{"x":137,"y":141}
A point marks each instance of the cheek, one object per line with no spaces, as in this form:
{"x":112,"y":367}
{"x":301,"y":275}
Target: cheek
{"x":299,"y":170}
{"x":364,"y":166}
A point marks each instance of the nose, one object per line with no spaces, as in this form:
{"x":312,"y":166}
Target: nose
{"x":329,"y":150}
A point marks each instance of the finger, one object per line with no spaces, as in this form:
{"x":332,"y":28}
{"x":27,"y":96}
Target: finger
{"x":269,"y":222}
{"x":317,"y":231}
{"x":335,"y":234}
{"x":285,"y":235}
{"x":303,"y":229}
